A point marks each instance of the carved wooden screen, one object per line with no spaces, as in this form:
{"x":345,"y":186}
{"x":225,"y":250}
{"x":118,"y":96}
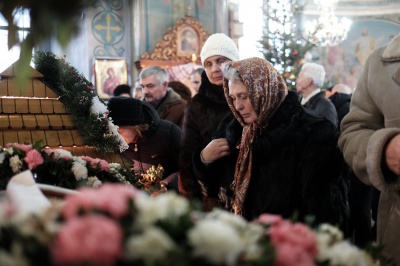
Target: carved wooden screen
{"x":180,"y":45}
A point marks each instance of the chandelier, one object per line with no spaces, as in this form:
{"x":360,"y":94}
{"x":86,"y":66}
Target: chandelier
{"x":327,"y":29}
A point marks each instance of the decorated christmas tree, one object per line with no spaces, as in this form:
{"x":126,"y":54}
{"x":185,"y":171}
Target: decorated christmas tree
{"x":284,"y":43}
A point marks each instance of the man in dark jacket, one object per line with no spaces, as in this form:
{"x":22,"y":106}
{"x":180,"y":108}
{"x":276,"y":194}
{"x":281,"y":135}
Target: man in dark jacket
{"x":169,"y":104}
{"x":206,"y":109}
{"x":152,"y":141}
{"x":360,"y":194}
{"x":308,"y":84}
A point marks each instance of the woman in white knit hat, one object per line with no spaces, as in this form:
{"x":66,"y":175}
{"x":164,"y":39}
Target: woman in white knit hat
{"x":206,"y":110}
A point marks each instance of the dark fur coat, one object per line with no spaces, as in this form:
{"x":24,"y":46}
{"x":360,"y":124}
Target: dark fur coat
{"x":296,"y":168}
{"x":202,"y":116}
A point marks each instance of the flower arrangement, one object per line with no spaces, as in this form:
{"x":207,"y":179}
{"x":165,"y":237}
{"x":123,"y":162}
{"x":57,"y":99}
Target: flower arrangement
{"x":89,"y":114}
{"x":118,"y":225}
{"x":60,"y":168}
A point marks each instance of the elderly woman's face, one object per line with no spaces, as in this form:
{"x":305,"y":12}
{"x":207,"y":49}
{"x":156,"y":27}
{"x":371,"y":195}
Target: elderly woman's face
{"x":239,"y":94}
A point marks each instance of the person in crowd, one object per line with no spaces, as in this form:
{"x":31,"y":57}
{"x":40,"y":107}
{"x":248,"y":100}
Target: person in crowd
{"x":308,"y":84}
{"x":269,"y":155}
{"x":169,"y":104}
{"x":206,"y":110}
{"x":181,"y":89}
{"x":370,"y":139}
{"x":340,"y":96}
{"x":138,"y":92}
{"x":123,"y":90}
{"x":195,"y":79}
{"x":152,"y":141}
{"x":360,"y":194}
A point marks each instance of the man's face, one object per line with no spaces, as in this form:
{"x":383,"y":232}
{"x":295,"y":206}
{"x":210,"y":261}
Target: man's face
{"x":212,"y":66}
{"x":153,"y":90}
{"x":302,"y":84}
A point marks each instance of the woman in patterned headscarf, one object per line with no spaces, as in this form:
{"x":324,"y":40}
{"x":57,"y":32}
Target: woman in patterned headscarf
{"x":269,"y":155}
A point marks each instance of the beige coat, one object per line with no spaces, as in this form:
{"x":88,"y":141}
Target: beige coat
{"x":374,"y":118}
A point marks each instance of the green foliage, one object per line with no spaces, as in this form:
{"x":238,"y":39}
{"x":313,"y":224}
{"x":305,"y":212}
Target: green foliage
{"x":77,"y":94}
{"x":48,"y":18}
{"x":282,"y":43}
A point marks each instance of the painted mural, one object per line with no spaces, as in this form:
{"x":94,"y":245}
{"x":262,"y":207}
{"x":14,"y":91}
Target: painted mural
{"x":108,"y":28}
{"x":163,"y":14}
{"x":344,"y":63}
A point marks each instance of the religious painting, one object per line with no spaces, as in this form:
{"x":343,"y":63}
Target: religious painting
{"x":344,"y":63}
{"x":109,"y":73}
{"x":188,"y":41}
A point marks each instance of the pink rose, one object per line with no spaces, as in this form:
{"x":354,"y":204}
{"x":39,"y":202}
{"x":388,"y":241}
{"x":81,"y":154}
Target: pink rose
{"x":33,"y":158}
{"x":111,"y":198}
{"x":288,"y":254}
{"x":92,"y":240}
{"x":269,"y":219}
{"x":23,"y":147}
{"x":104,"y":166}
{"x":296,"y":238}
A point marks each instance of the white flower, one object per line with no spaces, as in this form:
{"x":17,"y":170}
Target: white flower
{"x":164,"y":206}
{"x":10,"y":150}
{"x":216,"y":241}
{"x":15,"y":164}
{"x":93,"y":181}
{"x":97,"y":106}
{"x":114,"y":166}
{"x":250,"y":233}
{"x":100,"y":108}
{"x":344,"y":253}
{"x":13,"y":258}
{"x":176,"y":205}
{"x":2,"y":157}
{"x":153,"y":243}
{"x":60,"y":153}
{"x":251,"y":237}
{"x":79,"y":160}
{"x":80,"y":171}
{"x":235,"y":220}
{"x":114,"y":130}
{"x":332,"y":231}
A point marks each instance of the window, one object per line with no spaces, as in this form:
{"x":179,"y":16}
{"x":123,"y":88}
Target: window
{"x":250,"y":13}
{"x":22,"y":19}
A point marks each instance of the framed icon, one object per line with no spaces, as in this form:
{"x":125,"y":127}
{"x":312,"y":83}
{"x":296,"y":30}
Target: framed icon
{"x":188,"y":41}
{"x":109,"y":73}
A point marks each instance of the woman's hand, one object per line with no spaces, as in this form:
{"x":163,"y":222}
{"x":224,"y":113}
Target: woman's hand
{"x":216,"y":149}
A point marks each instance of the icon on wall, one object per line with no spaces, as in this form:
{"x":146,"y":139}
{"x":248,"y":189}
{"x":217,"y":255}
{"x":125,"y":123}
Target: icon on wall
{"x":109,"y":73}
{"x":188,"y":41}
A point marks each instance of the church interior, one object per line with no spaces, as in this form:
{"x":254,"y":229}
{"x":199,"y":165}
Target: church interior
{"x":60,"y":150}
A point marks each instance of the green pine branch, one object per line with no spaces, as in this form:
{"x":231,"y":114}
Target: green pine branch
{"x":76,"y":93}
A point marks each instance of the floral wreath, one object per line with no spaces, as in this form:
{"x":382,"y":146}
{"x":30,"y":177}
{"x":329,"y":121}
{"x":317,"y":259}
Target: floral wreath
{"x":89,"y":114}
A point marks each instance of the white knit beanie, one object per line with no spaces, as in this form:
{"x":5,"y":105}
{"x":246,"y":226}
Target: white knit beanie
{"x":219,"y":44}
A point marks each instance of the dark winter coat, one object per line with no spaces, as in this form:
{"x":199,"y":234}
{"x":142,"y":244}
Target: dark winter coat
{"x":296,"y":168}
{"x":202,"y":116}
{"x":158,"y":145}
{"x":341,"y":101}
{"x":172,"y":108}
{"x":319,"y":106}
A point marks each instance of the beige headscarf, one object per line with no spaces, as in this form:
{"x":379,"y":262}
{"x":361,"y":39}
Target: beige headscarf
{"x":267,"y":91}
